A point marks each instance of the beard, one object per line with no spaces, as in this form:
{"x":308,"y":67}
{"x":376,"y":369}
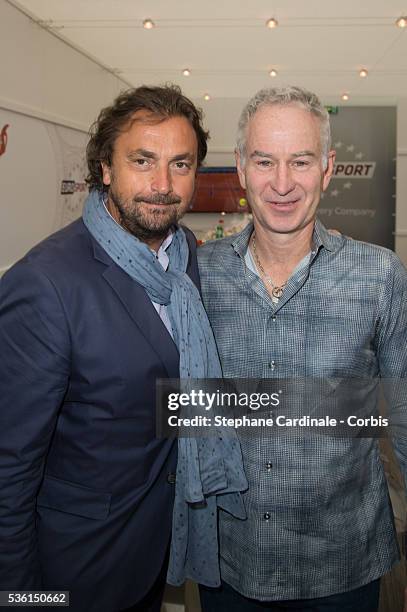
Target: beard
{"x":146,"y":222}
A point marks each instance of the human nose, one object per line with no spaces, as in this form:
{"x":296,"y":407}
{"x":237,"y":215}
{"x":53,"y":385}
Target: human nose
{"x":282,"y":180}
{"x":161,"y":181}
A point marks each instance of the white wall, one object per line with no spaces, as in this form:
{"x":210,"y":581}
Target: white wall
{"x":38,"y":157}
{"x":42,"y":76}
{"x":44,"y":84}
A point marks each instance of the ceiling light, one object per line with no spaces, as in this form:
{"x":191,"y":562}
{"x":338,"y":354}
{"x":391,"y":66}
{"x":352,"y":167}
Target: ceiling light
{"x":207,"y":97}
{"x":186,"y":72}
{"x":363,"y":73}
{"x":272,"y":23}
{"x":345,"y":97}
{"x":148,"y":24}
{"x":401,"y":22}
{"x":273,"y":73}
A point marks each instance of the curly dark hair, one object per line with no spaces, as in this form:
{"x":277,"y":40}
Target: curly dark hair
{"x":162,"y":102}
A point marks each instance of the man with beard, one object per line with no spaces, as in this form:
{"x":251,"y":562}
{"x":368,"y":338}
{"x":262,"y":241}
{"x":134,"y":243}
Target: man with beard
{"x":89,"y":319}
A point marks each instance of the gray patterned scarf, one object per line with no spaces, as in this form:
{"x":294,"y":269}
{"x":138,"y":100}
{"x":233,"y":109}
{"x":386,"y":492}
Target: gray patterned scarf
{"x":173,"y":288}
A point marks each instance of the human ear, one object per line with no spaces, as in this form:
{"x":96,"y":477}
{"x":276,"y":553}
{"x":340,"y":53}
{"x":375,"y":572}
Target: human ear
{"x":240,"y":168}
{"x":329,"y":170}
{"x":106,"y":173}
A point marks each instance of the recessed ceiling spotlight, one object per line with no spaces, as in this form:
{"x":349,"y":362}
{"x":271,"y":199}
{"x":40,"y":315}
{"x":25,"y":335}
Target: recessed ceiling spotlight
{"x":273,"y":73}
{"x":272,"y":23}
{"x":148,"y":24}
{"x":186,"y":72}
{"x":345,"y":97}
{"x":207,"y":97}
{"x":363,"y":73}
{"x":401,"y":22}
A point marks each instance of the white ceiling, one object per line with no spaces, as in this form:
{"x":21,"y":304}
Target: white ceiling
{"x":319,"y":44}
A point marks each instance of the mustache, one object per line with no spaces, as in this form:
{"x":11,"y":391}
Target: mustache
{"x":159,"y":198}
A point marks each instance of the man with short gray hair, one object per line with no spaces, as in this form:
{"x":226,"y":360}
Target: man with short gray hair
{"x":289,"y":300}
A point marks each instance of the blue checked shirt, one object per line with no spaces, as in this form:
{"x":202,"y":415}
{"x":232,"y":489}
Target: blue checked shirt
{"x":319,"y":517}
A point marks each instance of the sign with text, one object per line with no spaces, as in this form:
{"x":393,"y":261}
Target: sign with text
{"x":360,"y":200}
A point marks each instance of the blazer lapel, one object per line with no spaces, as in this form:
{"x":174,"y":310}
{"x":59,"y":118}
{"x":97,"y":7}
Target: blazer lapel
{"x":137,"y":303}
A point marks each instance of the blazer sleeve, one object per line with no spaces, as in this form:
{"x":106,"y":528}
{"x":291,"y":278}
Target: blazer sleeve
{"x":34,"y":375}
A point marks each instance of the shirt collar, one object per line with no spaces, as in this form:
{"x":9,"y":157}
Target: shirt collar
{"x":321,"y":238}
{"x":167,"y":241}
{"x":162,"y":254}
{"x":241,"y":241}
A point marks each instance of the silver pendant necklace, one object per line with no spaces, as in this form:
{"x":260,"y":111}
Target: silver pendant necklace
{"x":276,"y":290}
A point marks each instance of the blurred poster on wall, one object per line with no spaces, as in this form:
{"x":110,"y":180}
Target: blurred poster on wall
{"x":42,"y":181}
{"x":70,"y":156}
{"x":360,"y":200}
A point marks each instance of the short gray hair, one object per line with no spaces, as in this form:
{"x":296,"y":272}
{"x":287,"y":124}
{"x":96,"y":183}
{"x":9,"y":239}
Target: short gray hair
{"x":285,"y":96}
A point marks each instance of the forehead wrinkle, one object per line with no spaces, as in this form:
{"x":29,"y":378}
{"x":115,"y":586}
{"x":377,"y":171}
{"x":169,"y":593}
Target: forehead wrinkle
{"x":181,"y":156}
{"x":282,"y":122}
{"x":151,"y":155}
{"x":305,"y":153}
{"x":258,"y":153}
{"x":143,"y":152}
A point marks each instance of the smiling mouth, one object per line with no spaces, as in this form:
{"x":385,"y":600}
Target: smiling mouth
{"x":282,"y":204}
{"x":157,"y":204}
{"x":164,"y":200}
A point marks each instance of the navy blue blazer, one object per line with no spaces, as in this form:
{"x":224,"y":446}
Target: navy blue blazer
{"x":85,"y":497}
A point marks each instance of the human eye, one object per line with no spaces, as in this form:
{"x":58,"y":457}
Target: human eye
{"x":142,"y":162}
{"x":182,"y":166}
{"x":139,"y":162}
{"x":264,"y":163}
{"x":301,"y":163}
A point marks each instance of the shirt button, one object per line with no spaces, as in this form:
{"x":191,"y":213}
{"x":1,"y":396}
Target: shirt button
{"x":272,"y":364}
{"x":266,"y":516}
{"x":269,"y":465}
{"x":274,"y":318}
{"x":171,"y":478}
